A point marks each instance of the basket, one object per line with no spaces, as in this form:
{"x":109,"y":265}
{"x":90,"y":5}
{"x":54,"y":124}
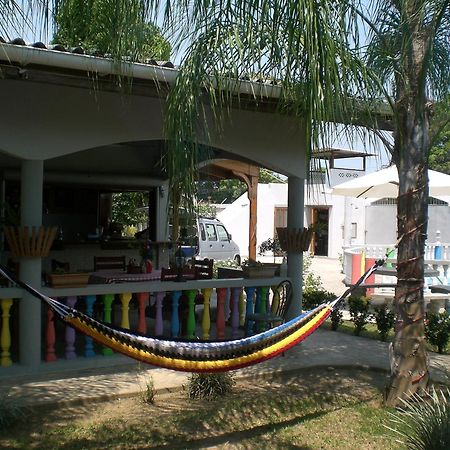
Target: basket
{"x":30,"y":241}
{"x":261,"y":271}
{"x":295,"y":239}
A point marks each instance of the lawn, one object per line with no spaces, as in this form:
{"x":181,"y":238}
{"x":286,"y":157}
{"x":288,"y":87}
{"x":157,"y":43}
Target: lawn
{"x":314,"y":409}
{"x":371,"y":332}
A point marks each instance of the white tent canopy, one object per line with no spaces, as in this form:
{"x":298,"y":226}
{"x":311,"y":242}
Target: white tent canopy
{"x":384,"y":183}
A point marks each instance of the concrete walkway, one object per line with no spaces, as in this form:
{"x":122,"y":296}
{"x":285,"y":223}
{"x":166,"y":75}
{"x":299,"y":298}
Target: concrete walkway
{"x":85,"y":381}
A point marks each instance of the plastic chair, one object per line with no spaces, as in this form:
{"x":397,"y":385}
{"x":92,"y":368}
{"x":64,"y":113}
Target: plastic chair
{"x":281,"y":301}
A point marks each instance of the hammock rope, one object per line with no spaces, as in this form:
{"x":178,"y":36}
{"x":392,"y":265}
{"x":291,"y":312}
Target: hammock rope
{"x":194,"y":356}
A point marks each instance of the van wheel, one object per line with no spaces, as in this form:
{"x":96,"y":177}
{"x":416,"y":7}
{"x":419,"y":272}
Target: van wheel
{"x":237,"y":260}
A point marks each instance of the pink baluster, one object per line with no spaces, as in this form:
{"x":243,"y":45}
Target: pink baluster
{"x":159,"y":318}
{"x":235,"y":294}
{"x":142,"y":298}
{"x":70,"y":333}
{"x":221,"y":299}
{"x":50,"y":337}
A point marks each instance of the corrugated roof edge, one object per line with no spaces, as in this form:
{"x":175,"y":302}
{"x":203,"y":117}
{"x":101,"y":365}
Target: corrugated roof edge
{"x":57,"y":55}
{"x":78,"y":51}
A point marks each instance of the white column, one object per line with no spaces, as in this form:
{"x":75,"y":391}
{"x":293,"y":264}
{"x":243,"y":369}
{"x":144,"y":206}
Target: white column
{"x":30,"y":268}
{"x":296,"y":189}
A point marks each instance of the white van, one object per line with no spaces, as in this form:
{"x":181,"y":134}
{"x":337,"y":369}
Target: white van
{"x":213,"y":242}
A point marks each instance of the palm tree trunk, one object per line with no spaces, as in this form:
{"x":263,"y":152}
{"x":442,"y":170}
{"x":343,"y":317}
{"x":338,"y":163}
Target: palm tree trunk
{"x":409,"y":360}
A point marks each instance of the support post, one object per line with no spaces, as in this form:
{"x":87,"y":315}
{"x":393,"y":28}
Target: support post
{"x":253,"y":198}
{"x":32,"y":175}
{"x":296,"y":187}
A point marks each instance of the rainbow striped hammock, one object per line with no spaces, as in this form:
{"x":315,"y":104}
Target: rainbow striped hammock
{"x":196,"y":356}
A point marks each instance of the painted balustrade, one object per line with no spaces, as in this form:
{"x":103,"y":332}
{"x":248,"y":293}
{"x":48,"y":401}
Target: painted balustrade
{"x":235,"y":298}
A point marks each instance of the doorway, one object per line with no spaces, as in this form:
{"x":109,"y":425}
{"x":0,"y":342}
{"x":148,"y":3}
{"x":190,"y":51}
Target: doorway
{"x":319,"y":219}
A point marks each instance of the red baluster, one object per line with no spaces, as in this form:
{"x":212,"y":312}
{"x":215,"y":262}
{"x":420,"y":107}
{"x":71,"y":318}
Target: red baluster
{"x":142,"y":298}
{"x":50,"y":337}
{"x":221,"y":299}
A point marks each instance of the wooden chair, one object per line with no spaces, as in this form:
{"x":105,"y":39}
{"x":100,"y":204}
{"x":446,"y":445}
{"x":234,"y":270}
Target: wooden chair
{"x":109,"y":263}
{"x":282,"y":296}
{"x":204,"y":268}
{"x":171,"y":274}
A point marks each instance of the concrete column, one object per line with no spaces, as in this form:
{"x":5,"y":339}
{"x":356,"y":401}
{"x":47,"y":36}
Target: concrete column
{"x":30,"y":268}
{"x":296,"y":189}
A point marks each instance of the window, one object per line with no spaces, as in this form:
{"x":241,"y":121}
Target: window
{"x":222,"y":232}
{"x":354,"y":230}
{"x":202,"y":232}
{"x":211,"y":232}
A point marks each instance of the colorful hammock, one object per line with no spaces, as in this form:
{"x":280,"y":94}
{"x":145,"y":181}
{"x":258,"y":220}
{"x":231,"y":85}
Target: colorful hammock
{"x":191,"y":356}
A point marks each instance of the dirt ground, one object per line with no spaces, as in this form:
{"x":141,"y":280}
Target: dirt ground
{"x":173,"y":421}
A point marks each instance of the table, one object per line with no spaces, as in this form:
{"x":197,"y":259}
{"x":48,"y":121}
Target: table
{"x":440,"y":289}
{"x":392,"y":272}
{"x":120,"y":276}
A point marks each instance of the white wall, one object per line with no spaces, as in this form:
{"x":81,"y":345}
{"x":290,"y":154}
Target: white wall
{"x":342,"y":212}
{"x":381,"y":223}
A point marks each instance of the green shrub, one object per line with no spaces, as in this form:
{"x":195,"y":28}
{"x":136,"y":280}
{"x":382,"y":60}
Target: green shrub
{"x":311,"y":282}
{"x":424,"y":423}
{"x":10,"y":411}
{"x":315,"y":297}
{"x":210,"y":386}
{"x":385,"y":320}
{"x":359,"y":312}
{"x":336,"y":318}
{"x":437,"y":330}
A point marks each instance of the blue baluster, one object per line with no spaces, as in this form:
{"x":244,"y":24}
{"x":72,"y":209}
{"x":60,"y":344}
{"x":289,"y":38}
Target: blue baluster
{"x":89,"y":342}
{"x":250,"y":291}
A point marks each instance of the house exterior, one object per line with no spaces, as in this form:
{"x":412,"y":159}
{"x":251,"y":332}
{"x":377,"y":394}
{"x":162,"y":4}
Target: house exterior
{"x":66,"y":122}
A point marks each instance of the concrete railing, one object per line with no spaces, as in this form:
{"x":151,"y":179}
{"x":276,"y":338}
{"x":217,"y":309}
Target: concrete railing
{"x":155,"y":308}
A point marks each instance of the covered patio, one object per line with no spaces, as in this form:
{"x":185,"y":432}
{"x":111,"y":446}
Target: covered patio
{"x":69,"y":124}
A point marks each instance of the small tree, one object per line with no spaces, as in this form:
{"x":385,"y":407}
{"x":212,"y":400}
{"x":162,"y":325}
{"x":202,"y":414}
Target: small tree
{"x":437,"y":330}
{"x":385,"y":320}
{"x":359,"y":312}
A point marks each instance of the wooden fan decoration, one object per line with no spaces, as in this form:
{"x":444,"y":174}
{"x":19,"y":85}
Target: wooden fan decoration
{"x":295,"y":239}
{"x":30,"y":241}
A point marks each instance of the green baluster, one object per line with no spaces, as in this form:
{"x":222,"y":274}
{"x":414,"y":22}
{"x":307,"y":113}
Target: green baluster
{"x":107,"y":307}
{"x":262,"y":305}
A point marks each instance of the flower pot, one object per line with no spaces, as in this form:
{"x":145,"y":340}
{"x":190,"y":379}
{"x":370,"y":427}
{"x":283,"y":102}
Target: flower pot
{"x":295,"y":239}
{"x":30,"y":241}
{"x":66,"y":280}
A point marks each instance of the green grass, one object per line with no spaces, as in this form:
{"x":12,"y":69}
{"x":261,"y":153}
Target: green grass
{"x":313,"y":409}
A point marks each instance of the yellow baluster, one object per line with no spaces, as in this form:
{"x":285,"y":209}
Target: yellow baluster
{"x":5,"y":339}
{"x":125,"y":299}
{"x":242,"y":308}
